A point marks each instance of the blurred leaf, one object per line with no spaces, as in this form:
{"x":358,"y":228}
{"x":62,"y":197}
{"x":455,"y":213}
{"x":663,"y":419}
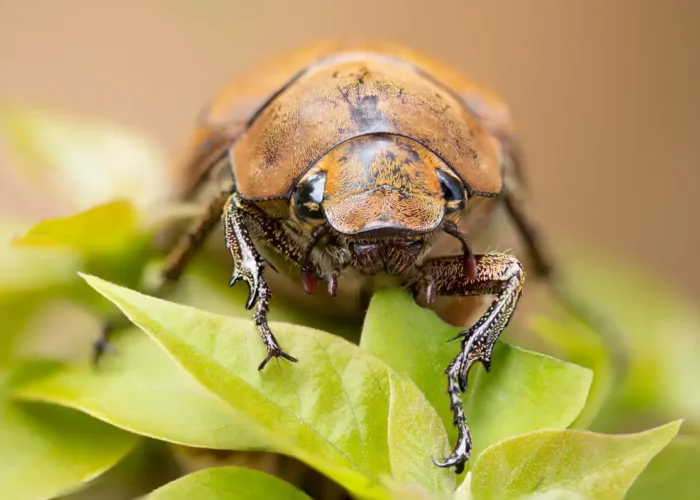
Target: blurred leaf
{"x":28,"y":278}
{"x":31,"y":270}
{"x":673,"y":473}
{"x":663,"y":332}
{"x":567,"y":463}
{"x":330,"y":410}
{"x":226,"y":483}
{"x":83,"y":160}
{"x":46,"y":450}
{"x":101,"y":229}
{"x":140,"y":389}
{"x":108,"y":239}
{"x":525,"y":391}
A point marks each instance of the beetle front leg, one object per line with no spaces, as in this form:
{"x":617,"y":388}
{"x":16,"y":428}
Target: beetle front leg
{"x":497,"y":274}
{"x":249,"y":266}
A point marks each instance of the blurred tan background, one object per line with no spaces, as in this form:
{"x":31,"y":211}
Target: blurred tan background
{"x":606,"y":93}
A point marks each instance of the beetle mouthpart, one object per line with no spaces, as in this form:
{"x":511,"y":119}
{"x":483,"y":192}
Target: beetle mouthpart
{"x":309,"y":281}
{"x":333,"y":280}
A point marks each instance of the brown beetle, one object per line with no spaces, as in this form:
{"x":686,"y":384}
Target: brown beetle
{"x":363,"y":165}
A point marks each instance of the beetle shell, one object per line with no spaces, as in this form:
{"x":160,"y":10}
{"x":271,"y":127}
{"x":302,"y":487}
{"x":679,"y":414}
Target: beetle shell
{"x":341,"y":98}
{"x":236,"y":109}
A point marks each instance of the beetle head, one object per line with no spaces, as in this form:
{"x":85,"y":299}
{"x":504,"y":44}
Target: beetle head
{"x":379,"y":186}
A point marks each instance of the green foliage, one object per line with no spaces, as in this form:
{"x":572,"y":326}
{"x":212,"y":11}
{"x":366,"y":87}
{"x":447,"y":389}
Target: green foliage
{"x":46,"y":450}
{"x":369,"y":417}
{"x":569,"y":463}
{"x":227,"y":483}
{"x":528,"y":391}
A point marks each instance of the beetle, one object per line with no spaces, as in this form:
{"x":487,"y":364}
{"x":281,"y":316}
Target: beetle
{"x":363,"y":164}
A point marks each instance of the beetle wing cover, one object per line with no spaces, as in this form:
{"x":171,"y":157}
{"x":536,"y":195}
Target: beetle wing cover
{"x":356,"y":94}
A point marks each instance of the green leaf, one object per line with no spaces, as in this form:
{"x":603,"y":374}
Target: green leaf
{"x":227,"y":483}
{"x":662,"y":334}
{"x":567,"y":463}
{"x":673,"y":473}
{"x":100,"y":229}
{"x":138,"y":388}
{"x":32,"y":270}
{"x":525,"y":391}
{"x":109,"y":239}
{"x":46,"y":450}
{"x":413,"y":432}
{"x":330,"y":409}
{"x":85,"y":161}
{"x":584,"y":347}
{"x":28,"y":278}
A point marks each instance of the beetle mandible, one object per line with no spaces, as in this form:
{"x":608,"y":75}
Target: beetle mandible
{"x":354,"y":162}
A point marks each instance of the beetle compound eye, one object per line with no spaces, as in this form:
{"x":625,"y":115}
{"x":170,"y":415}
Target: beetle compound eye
{"x":452,"y":191}
{"x":308,"y":196}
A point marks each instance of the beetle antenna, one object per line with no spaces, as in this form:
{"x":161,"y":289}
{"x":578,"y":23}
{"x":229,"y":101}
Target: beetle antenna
{"x":469,"y":259}
{"x":308,"y":280}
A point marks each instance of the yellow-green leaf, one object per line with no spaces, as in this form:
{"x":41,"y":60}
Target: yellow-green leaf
{"x":102,"y":229}
{"x":227,"y":483}
{"x":524,"y":391}
{"x":567,"y":462}
{"x":330,"y":410}
{"x":45,"y":450}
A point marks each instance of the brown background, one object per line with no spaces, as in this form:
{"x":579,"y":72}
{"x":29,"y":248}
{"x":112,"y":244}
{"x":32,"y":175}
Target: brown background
{"x":607,"y":93}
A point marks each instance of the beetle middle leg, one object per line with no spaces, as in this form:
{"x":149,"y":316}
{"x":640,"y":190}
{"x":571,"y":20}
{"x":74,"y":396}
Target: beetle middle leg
{"x":496,"y":274}
{"x":249,"y":266}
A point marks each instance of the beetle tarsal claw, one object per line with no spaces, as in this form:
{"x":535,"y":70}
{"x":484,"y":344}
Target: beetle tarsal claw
{"x":276,"y":353}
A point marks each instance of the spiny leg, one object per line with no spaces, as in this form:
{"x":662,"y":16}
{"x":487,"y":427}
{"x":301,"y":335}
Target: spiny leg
{"x":249,"y":266}
{"x":496,"y":274}
{"x":175,"y":263}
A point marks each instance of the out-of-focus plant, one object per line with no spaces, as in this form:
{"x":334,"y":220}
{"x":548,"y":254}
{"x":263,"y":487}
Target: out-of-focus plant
{"x":369,"y":417}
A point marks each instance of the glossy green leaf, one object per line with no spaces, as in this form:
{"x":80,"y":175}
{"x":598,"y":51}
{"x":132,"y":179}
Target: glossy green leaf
{"x":85,"y":161}
{"x":330,"y":409}
{"x":140,"y":389}
{"x":523,"y":392}
{"x":673,"y":473}
{"x":46,"y":450}
{"x":567,"y":463}
{"x":227,"y":483}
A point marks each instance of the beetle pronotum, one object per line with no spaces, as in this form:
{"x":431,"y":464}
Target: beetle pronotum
{"x":350,"y":162}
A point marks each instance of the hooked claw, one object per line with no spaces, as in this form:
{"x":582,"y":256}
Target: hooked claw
{"x":276,"y":352}
{"x":452,"y":461}
{"x":460,"y":455}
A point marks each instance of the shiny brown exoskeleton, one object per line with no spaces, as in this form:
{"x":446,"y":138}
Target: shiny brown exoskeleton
{"x":363,"y":165}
